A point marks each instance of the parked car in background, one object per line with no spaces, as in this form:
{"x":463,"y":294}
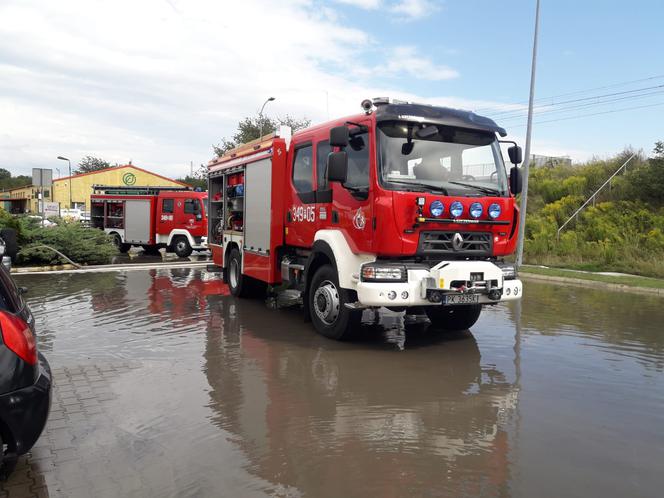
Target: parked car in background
{"x":25,"y":377}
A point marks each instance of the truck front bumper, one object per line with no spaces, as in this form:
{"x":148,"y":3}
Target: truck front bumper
{"x":447,"y":283}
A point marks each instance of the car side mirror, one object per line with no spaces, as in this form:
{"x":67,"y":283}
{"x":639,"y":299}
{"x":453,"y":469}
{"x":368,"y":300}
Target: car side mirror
{"x":515,"y":153}
{"x":337,"y":166}
{"x":199,"y":216}
{"x":22,"y":290}
{"x":339,"y":136}
{"x":516,"y":181}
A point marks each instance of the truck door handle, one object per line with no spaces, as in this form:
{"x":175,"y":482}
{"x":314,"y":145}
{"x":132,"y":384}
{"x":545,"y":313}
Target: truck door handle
{"x":288,"y":216}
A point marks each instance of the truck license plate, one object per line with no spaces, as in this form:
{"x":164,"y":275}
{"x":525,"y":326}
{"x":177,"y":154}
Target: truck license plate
{"x":461,"y":299}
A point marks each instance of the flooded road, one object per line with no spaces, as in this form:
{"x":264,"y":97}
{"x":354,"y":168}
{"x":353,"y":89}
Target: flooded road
{"x":187,"y":391}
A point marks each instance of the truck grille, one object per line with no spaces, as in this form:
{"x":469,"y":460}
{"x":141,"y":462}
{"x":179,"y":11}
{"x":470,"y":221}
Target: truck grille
{"x":471,"y":243}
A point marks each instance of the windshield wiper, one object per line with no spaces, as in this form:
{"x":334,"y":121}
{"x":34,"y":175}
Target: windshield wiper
{"x":420,"y":186}
{"x":486,"y":190}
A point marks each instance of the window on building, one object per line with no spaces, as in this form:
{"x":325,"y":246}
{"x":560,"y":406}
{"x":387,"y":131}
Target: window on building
{"x":303,"y":169}
{"x":167,"y":205}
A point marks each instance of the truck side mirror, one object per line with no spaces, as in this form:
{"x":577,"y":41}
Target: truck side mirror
{"x":337,"y":166}
{"x":516,"y":156}
{"x":339,"y":136}
{"x":516,"y":182}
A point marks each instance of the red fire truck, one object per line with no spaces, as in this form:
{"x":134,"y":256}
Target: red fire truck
{"x":151,"y":217}
{"x":406,"y":206}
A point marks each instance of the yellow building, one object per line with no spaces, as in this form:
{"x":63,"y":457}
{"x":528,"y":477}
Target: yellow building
{"x":21,"y":200}
{"x":80,"y":186}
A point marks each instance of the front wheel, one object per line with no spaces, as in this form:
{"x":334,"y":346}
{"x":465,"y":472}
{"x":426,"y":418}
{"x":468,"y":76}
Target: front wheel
{"x":454,"y":317}
{"x":181,"y":247}
{"x":326,"y":301}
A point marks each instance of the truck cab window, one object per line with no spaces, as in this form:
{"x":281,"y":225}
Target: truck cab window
{"x":191,"y":206}
{"x":303,"y":169}
{"x":358,"y":161}
{"x":323,"y":150}
{"x":167,"y":205}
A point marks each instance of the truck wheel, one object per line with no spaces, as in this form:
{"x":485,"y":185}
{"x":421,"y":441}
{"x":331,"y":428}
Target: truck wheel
{"x":8,"y":235}
{"x":181,"y":247}
{"x":454,"y":317}
{"x":326,"y":301}
{"x":117,"y":240}
{"x":239,"y":284}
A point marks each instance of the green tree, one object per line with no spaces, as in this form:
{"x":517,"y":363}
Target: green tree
{"x":91,"y":163}
{"x":250,"y":128}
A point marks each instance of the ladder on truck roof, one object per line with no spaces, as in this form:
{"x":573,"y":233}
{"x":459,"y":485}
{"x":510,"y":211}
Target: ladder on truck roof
{"x":252,"y":147}
{"x":135,"y":190}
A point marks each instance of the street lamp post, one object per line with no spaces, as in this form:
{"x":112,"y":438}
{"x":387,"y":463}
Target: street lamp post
{"x":65,"y":159}
{"x":526,"y":162}
{"x":260,"y":116}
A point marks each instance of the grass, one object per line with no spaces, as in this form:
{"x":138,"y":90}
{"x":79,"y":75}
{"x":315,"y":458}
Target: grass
{"x":630,"y":280}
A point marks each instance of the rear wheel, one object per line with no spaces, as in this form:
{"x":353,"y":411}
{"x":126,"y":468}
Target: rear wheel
{"x":122,"y":247}
{"x":7,"y":463}
{"x":326,"y":301}
{"x":181,"y":247}
{"x":239,"y":284}
{"x":454,"y":317}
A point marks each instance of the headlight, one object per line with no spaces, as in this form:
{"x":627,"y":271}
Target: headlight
{"x":494,"y":210}
{"x":456,"y":209}
{"x":436,"y":208}
{"x":476,"y":209}
{"x":375,"y":272}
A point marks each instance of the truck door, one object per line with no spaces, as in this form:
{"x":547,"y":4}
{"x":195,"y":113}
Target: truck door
{"x":301,"y":197}
{"x":348,"y":206}
{"x":165,"y":216}
{"x":194,"y":218}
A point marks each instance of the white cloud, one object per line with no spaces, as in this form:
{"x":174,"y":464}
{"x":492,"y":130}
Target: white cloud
{"x":362,"y":4}
{"x":404,"y":60}
{"x":159,"y":81}
{"x":415,"y":9}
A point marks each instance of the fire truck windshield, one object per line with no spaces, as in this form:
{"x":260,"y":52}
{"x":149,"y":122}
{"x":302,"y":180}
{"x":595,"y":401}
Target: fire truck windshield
{"x":448,"y":159}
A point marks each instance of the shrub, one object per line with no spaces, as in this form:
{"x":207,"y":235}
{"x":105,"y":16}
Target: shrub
{"x":82,"y":245}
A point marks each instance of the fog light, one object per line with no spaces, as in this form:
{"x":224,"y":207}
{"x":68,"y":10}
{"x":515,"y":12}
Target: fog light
{"x":494,"y":294}
{"x":391,"y":295}
{"x":404,"y":295}
{"x":436,"y":297}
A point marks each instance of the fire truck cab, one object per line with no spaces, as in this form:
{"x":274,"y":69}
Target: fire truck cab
{"x":406,"y":206}
{"x":151,"y":217}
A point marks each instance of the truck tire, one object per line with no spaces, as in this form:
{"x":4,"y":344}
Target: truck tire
{"x":454,"y":317}
{"x":8,"y":235}
{"x":122,"y":247}
{"x":239,"y":285}
{"x":181,"y":246}
{"x":326,"y":301}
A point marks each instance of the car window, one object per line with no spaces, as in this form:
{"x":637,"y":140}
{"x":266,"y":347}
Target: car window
{"x":358,"y":161}
{"x":167,"y":205}
{"x":191,"y":205}
{"x":323,"y":150}
{"x":303,"y":171}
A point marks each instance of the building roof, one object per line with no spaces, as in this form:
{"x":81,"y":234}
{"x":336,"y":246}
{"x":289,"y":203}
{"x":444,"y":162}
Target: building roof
{"x":18,"y":188}
{"x":124,"y":166}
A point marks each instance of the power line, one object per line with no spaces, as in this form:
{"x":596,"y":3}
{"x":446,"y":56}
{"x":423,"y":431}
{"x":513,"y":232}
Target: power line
{"x":577,"y":92}
{"x":595,"y":114}
{"x":585,"y":106}
{"x":584,"y":99}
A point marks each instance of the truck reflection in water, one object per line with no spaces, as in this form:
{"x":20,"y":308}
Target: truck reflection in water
{"x":327,"y":419}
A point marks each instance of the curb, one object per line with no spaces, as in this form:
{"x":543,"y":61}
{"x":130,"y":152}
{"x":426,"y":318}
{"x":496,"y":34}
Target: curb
{"x":37,"y":270}
{"x":592,"y":283}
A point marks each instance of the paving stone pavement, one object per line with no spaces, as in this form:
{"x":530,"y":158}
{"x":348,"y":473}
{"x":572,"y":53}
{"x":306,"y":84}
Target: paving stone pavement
{"x":69,"y":458}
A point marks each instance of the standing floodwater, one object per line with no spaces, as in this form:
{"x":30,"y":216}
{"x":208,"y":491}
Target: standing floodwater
{"x":168,"y":386}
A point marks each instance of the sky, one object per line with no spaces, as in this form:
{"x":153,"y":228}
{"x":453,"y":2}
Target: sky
{"x":158,"y":82}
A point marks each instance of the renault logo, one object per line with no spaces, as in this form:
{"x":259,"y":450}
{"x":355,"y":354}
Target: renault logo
{"x":457,"y":242}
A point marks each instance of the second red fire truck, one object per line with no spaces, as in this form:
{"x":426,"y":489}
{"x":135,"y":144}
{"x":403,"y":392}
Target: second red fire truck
{"x":406,"y":206}
{"x":151,"y":217}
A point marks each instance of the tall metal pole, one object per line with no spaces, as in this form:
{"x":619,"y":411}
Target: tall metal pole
{"x":526,"y":162}
{"x":65,"y":159}
{"x":260,"y":116}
